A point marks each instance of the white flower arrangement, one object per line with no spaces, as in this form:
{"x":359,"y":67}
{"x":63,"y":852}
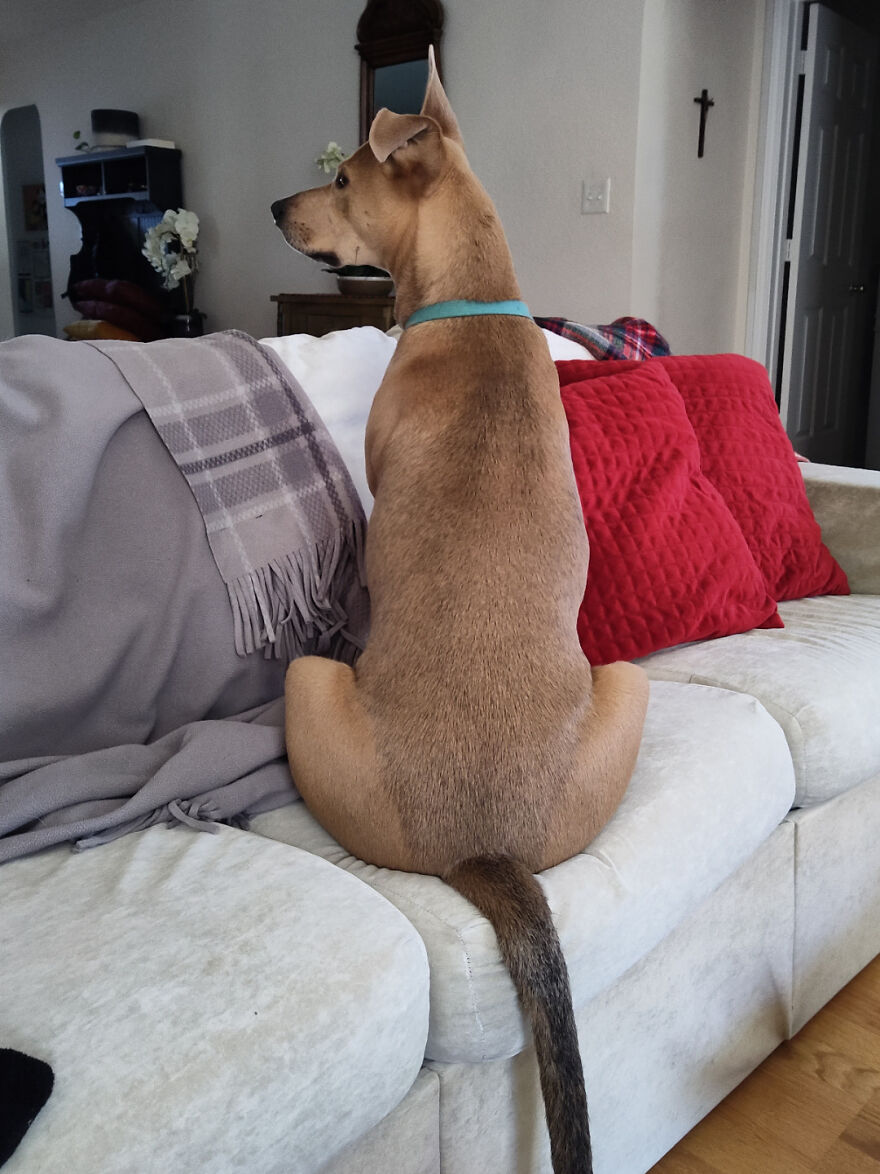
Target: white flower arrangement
{"x":170,"y":247}
{"x":331,"y":157}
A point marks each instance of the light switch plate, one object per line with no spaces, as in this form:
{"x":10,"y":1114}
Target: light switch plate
{"x":595,"y":196}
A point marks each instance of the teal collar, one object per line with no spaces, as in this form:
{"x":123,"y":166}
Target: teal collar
{"x":460,"y":308}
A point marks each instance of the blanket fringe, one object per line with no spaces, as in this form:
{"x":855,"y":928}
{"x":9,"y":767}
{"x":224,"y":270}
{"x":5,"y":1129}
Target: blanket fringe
{"x":289,"y":607}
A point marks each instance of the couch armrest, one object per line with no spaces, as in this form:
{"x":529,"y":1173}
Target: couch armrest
{"x":846,"y":503}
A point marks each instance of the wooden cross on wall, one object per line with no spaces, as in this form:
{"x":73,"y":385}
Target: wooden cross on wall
{"x":704,"y":102}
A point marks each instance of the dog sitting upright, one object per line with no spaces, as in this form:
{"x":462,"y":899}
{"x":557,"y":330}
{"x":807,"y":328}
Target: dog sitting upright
{"x":472,"y":740}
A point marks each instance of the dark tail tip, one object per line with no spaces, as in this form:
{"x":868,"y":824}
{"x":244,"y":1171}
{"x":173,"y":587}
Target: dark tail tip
{"x":509,"y":896}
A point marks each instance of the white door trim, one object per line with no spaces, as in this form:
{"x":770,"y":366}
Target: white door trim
{"x":783,"y":22}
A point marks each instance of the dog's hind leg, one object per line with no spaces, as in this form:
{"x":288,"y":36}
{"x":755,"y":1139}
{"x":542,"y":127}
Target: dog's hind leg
{"x":609,"y":745}
{"x":332,"y":756}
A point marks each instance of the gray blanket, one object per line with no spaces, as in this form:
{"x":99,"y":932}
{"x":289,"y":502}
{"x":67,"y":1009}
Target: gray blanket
{"x":123,"y":700}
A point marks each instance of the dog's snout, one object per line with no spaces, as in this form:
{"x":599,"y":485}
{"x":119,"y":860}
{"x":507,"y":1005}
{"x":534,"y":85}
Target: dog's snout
{"x":278,"y":210}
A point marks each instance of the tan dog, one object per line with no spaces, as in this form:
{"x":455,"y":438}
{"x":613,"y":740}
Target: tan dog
{"x":471,"y":740}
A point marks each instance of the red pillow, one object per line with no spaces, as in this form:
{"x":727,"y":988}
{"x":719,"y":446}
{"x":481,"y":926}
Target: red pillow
{"x":747,"y":456}
{"x":668,"y":563}
{"x":120,"y":293}
{"x":749,"y":459}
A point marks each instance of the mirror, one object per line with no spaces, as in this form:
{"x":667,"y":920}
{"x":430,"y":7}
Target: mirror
{"x":393,"y":39}
{"x":400,"y":87}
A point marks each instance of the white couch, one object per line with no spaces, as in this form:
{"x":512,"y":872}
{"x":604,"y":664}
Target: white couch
{"x":261,"y":1001}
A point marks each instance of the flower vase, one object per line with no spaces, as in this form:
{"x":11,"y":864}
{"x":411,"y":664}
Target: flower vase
{"x":191,"y":325}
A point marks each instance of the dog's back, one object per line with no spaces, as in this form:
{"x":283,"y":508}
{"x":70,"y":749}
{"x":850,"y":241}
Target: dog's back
{"x":473,"y":675}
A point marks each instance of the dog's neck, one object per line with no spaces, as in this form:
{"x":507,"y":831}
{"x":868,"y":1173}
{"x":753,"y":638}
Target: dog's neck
{"x":440,"y":263}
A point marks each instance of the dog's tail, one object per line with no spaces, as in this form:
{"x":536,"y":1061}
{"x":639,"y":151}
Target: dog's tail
{"x":509,"y":896}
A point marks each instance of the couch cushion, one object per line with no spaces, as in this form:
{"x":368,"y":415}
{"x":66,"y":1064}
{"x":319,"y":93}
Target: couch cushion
{"x":819,"y":676}
{"x":714,"y":777}
{"x":224,"y":1002}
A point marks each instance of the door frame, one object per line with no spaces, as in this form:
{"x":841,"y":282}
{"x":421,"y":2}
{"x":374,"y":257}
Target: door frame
{"x":783,"y":56}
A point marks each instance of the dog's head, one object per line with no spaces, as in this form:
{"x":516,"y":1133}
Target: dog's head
{"x":365,"y":214}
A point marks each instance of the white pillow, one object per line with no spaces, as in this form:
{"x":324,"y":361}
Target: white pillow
{"x":565,"y":348}
{"x":340,"y":373}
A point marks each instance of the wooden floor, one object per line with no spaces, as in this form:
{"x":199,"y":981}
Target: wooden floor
{"x":813,"y":1107}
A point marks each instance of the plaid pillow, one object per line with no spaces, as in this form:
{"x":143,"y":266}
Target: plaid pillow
{"x":625,"y":338}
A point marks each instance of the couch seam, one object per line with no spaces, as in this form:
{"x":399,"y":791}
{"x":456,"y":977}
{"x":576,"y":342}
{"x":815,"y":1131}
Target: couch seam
{"x":467,"y":958}
{"x":472,"y":994}
{"x":696,"y":679}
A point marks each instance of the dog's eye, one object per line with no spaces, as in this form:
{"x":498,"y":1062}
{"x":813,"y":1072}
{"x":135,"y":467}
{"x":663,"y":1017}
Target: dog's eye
{"x":341,"y":180}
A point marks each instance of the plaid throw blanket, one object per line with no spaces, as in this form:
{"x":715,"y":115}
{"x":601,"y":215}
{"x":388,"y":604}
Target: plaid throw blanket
{"x":624,"y":338}
{"x":282,"y":516}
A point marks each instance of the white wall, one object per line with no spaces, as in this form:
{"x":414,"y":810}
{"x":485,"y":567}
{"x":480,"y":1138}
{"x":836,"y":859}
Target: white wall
{"x":546,"y":95}
{"x":692,"y":215}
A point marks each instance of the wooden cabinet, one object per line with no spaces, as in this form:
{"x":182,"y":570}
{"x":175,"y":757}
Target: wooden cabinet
{"x":321,"y":313}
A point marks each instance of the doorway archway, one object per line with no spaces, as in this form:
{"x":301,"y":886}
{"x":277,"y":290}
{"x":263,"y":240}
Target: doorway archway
{"x":27,"y":229}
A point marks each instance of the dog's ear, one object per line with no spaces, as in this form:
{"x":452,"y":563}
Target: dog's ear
{"x":390,"y":131}
{"x":436,"y":104}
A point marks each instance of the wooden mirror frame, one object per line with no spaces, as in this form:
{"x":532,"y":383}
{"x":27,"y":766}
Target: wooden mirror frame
{"x":391,"y":32}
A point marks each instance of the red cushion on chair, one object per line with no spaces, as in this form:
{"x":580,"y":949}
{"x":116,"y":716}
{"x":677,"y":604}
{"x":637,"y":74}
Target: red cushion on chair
{"x":747,"y":456}
{"x":668,"y":563}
